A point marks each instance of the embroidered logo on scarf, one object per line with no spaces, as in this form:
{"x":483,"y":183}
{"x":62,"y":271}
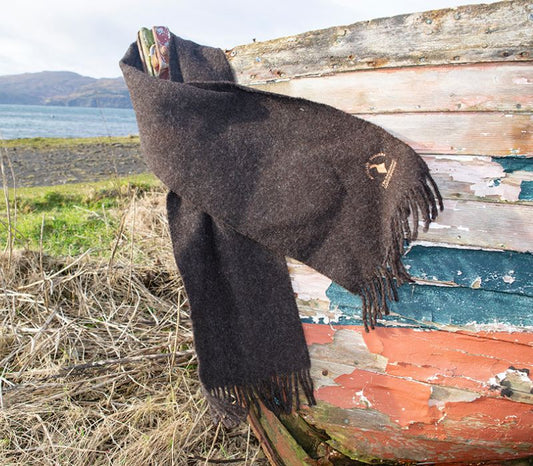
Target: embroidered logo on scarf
{"x":380,"y":167}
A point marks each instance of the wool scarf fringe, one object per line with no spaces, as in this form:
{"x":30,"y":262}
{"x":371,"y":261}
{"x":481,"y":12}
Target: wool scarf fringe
{"x":279,"y":394}
{"x":382,"y":287}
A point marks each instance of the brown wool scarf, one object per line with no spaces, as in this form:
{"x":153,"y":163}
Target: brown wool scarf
{"x":255,"y":177}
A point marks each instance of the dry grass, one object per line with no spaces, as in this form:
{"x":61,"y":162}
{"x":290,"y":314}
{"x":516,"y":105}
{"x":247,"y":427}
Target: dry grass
{"x":97,"y":363}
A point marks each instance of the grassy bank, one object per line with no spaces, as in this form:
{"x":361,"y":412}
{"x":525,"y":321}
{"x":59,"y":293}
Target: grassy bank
{"x":54,"y":143}
{"x":66,"y":220}
{"x":96,"y":356}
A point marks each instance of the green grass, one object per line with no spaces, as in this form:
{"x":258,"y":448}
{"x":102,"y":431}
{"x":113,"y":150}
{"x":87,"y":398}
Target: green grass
{"x":51,"y":143}
{"x":69,"y":219}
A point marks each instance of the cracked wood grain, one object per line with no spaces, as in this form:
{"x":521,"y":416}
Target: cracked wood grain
{"x":468,"y":34}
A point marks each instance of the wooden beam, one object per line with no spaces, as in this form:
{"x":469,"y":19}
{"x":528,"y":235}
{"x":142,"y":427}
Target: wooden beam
{"x":454,"y":286}
{"x":483,"y":178}
{"x":468,"y":133}
{"x":469,"y":34}
{"x":484,"y":225}
{"x":506,"y":87}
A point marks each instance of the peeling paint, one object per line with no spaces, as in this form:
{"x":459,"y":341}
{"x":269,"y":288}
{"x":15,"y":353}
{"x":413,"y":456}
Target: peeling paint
{"x":463,"y":266}
{"x":526,"y":191}
{"x":425,"y":304}
{"x":483,"y":177}
{"x":403,"y":401}
{"x":508,"y":279}
{"x":432,"y":392}
{"x":476,"y":283}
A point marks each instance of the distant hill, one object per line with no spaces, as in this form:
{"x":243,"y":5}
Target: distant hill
{"x":63,"y":88}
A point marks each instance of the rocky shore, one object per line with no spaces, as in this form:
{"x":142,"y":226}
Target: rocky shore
{"x":47,"y":162}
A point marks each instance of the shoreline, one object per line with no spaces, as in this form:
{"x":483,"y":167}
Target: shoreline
{"x":57,"y":161}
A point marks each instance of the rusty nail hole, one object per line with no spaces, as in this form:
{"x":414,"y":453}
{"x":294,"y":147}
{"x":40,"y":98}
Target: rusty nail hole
{"x":350,"y":57}
{"x":505,"y":54}
{"x":325,"y":372}
{"x":519,"y":106}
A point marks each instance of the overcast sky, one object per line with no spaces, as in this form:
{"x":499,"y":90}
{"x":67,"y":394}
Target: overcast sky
{"x":90,"y":36}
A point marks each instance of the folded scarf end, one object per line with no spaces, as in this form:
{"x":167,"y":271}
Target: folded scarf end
{"x":230,"y":405}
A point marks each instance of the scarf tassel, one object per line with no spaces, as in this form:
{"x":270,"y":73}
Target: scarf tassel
{"x":383,"y":286}
{"x":279,"y":394}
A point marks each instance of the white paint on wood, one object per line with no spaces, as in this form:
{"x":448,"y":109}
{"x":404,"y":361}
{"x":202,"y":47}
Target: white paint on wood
{"x":477,"y":87}
{"x":476,"y":178}
{"x":484,"y":225}
{"x":466,"y":133}
{"x":349,"y":347}
{"x":307,"y":284}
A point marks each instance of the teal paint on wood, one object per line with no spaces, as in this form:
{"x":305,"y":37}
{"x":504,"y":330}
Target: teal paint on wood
{"x":513,"y":164}
{"x":442,"y":305}
{"x":519,"y":164}
{"x":526,"y":191}
{"x":504,"y":271}
{"x":460,"y":306}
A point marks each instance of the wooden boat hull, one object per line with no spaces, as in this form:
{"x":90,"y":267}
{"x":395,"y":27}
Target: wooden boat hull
{"x":419,"y":388}
{"x":448,"y":377}
{"x":425,"y":396}
{"x":409,"y":391}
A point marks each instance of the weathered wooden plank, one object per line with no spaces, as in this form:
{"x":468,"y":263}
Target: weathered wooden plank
{"x":454,"y":287}
{"x":483,"y":225}
{"x":449,"y":306}
{"x":406,"y":394}
{"x":498,"y":179}
{"x":501,"y":271}
{"x":504,"y":87}
{"x":279,"y":446}
{"x":462,"y":133}
{"x":468,"y":34}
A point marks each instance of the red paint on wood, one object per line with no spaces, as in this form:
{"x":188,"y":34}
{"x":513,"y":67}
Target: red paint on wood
{"x":399,"y":444}
{"x":404,"y":401}
{"x":424,"y":355}
{"x":523,"y":338}
{"x":460,"y":381}
{"x":439,"y":398}
{"x":318,"y":334}
{"x":490,"y":419}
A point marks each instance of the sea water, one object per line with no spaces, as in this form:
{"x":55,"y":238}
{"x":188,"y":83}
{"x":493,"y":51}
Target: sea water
{"x":29,"y":121}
